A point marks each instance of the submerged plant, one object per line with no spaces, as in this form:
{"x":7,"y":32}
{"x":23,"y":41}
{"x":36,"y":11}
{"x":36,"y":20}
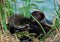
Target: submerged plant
{"x":5,"y":12}
{"x":28,"y":6}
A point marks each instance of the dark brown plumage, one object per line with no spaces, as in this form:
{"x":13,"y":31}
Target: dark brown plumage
{"x":17,"y":23}
{"x":38,"y":15}
{"x":34,"y":26}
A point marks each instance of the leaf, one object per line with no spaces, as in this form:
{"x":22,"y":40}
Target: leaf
{"x":56,"y":23}
{"x":34,"y":5}
{"x":13,"y":0}
{"x":25,"y":0}
{"x":21,"y":8}
{"x":44,"y":9}
{"x":39,"y":1}
{"x":59,"y":13}
{"x":35,"y":8}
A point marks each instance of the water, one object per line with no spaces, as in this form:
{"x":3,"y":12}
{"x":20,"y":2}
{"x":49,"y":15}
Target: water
{"x":49,"y":12}
{"x":47,"y":7}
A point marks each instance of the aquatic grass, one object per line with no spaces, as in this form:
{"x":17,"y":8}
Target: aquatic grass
{"x":56,"y":23}
{"x":39,"y":24}
{"x":28,"y":6}
{"x":2,"y":16}
{"x":5,"y":12}
{"x":26,"y":12}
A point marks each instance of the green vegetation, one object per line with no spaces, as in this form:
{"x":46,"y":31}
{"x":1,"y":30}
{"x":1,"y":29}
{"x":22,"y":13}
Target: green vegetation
{"x":6,"y":10}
